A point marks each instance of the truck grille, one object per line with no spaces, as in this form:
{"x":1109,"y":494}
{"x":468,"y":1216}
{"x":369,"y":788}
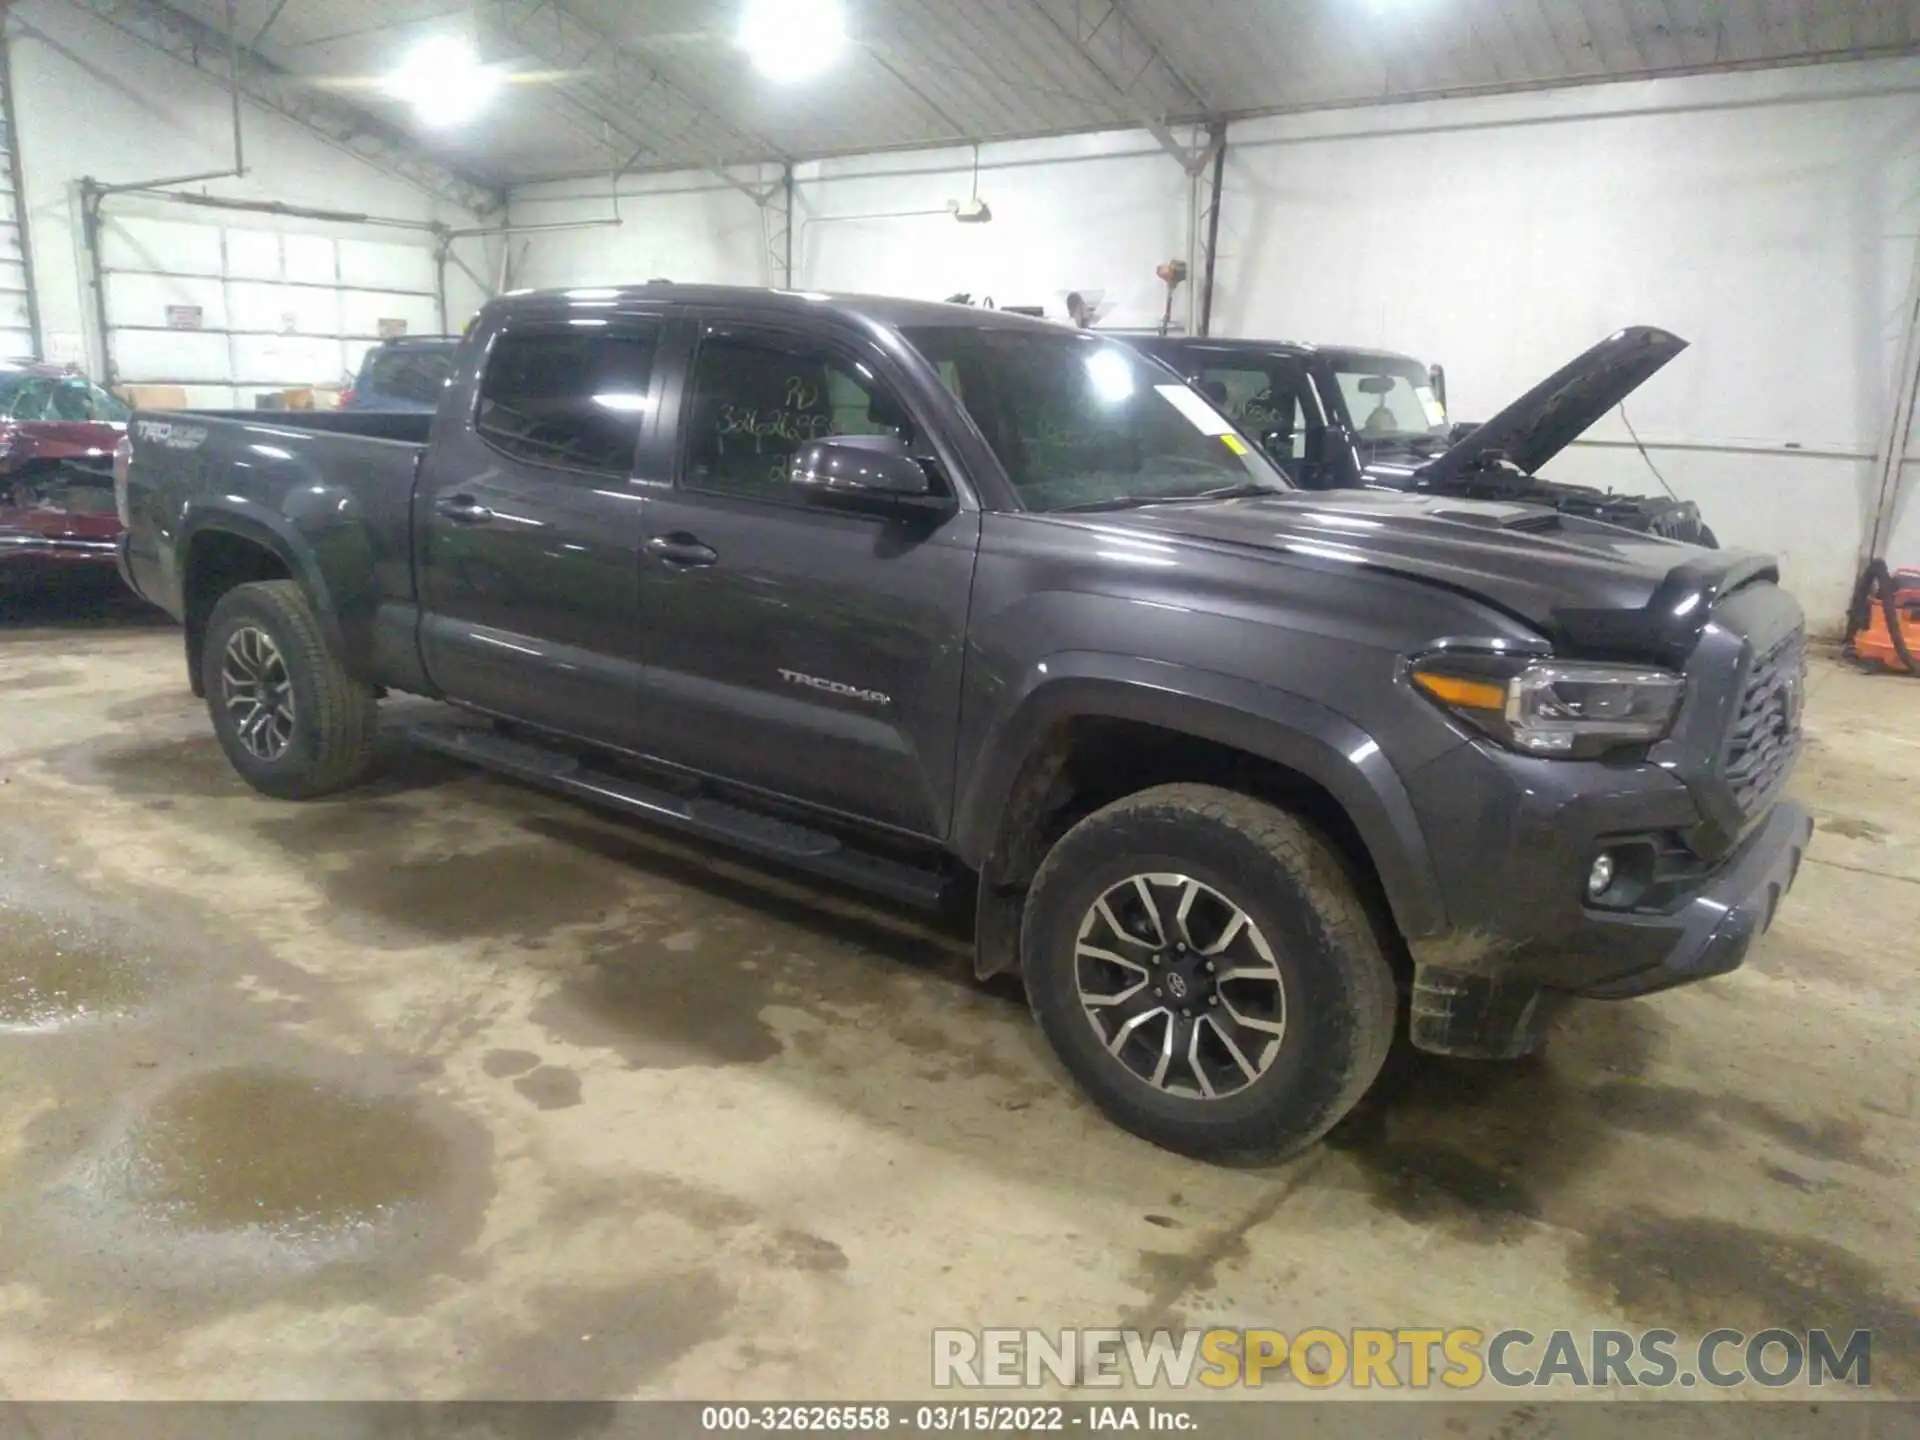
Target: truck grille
{"x":1765,"y":735}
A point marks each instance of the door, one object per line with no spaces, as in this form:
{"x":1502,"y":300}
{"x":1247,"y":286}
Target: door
{"x":531,"y":521}
{"x":807,"y":651}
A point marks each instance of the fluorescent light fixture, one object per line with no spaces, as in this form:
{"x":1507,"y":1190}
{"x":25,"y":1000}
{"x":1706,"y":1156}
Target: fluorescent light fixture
{"x":444,"y":81}
{"x":792,"y":39}
{"x":627,"y":402}
{"x":1111,"y":374}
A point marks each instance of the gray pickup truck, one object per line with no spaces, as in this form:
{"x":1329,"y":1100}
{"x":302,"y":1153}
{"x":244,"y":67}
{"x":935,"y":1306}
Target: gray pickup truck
{"x":960,"y":606}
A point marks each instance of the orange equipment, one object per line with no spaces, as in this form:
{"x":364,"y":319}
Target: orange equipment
{"x":1883,"y":623}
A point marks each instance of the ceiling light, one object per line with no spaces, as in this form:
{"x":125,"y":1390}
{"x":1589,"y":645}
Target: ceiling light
{"x":444,"y":81}
{"x":792,"y":39}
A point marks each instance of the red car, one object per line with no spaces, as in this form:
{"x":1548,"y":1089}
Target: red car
{"x":57,"y":436}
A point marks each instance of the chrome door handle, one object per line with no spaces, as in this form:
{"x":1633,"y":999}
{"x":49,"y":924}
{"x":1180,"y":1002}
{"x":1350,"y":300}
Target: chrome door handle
{"x":463,"y":510}
{"x":681,"y":548}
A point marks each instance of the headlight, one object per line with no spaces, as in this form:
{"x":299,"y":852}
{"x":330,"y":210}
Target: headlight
{"x":1553,"y":707}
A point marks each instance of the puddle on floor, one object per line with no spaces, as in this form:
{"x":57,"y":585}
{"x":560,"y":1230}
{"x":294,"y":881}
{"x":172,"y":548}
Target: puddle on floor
{"x":265,"y":1150}
{"x":54,"y":972}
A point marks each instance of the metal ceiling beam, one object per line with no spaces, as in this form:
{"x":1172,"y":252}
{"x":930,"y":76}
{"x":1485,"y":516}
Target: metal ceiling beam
{"x":1136,"y":70}
{"x":620,"y":83}
{"x":346,"y":127}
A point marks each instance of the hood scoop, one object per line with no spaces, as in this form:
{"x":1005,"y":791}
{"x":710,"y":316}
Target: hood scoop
{"x":1539,"y":521}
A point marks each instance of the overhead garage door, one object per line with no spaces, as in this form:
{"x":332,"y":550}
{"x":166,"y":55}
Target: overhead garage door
{"x":232,"y":311}
{"x":17,"y":338}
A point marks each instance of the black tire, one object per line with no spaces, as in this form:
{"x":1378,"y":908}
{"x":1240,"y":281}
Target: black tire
{"x":335,"y":717}
{"x":1339,"y":994}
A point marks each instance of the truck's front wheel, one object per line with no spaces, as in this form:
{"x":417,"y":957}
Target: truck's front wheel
{"x":1201,"y":962}
{"x":294,"y":723}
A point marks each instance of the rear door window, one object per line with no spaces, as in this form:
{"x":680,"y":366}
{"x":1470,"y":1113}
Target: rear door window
{"x":569,"y":400}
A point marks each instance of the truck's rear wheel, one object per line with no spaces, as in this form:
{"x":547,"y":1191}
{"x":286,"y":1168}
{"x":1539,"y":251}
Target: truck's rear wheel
{"x":1202,"y":964}
{"x":294,"y":723}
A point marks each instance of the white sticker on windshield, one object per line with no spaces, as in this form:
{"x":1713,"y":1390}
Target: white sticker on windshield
{"x":1203,"y":416}
{"x":1429,"y":402}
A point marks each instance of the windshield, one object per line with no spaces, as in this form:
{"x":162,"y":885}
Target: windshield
{"x":1081,"y":423}
{"x":1388,"y":398}
{"x":63,"y":397}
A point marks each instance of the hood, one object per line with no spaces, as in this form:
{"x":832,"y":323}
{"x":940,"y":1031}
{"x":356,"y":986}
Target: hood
{"x":57,"y":440}
{"x":1550,"y":416}
{"x":1595,"y":590}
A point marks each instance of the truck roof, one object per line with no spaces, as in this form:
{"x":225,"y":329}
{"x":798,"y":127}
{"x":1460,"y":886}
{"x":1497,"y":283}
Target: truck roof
{"x":1235,"y":344}
{"x":875,"y":309}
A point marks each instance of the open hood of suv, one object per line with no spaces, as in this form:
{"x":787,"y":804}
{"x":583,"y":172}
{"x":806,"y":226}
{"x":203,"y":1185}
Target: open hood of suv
{"x":1550,"y":416}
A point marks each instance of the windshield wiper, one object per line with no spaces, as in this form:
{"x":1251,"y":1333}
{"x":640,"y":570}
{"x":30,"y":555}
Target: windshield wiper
{"x":1111,"y":502}
{"x":1238,"y":491}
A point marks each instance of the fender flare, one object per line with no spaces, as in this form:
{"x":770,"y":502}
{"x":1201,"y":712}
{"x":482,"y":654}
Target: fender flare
{"x":270,"y":532}
{"x":1275,"y":725}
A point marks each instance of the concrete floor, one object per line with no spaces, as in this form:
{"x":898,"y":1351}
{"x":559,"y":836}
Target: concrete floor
{"x":450,"y":1089}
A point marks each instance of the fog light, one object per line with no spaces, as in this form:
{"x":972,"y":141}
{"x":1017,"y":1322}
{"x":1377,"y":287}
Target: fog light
{"x":1601,"y":876}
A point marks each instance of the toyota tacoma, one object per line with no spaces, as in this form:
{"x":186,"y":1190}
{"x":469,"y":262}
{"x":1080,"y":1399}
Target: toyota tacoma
{"x":957,"y":605}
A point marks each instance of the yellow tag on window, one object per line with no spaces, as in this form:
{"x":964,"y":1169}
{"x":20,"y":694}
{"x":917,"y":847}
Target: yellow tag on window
{"x":1235,"y":444}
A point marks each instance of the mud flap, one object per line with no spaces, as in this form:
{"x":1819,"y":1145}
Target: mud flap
{"x":1482,"y":1017}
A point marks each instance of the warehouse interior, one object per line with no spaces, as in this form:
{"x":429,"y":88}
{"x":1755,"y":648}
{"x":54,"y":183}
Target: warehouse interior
{"x":444,"y":1088}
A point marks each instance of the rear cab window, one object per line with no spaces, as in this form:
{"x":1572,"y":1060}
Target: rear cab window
{"x":415,"y":373}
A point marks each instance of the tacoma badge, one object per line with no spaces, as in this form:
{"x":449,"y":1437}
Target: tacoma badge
{"x":834,"y":687}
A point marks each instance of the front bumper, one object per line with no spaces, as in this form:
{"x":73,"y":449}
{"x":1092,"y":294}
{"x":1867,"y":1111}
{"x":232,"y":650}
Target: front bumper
{"x":1718,"y":926}
{"x":1524,"y":938}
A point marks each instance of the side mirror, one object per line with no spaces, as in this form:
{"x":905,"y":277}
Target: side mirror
{"x":863,"y":471}
{"x":1277,"y":443}
{"x":1437,"y":381}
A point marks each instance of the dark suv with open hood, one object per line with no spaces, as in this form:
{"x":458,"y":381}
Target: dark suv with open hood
{"x":1338,"y":418}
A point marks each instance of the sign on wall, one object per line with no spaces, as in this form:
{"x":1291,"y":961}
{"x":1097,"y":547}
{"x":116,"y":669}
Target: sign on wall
{"x":185,"y":317}
{"x":390,"y":329}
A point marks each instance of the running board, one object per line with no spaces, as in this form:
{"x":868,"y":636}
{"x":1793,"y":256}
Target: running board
{"x":796,"y":845}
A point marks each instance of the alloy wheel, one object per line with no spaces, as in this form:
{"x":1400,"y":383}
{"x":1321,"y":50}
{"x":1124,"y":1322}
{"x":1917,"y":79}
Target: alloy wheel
{"x":1180,"y":985}
{"x":258,"y":693}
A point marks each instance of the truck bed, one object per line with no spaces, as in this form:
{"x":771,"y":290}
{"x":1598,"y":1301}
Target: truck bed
{"x":369,"y":424}
{"x":324,"y":491}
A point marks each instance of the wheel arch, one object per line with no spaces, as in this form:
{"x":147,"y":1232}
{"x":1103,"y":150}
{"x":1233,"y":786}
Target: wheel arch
{"x":225,"y":549}
{"x":1146,"y":723}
